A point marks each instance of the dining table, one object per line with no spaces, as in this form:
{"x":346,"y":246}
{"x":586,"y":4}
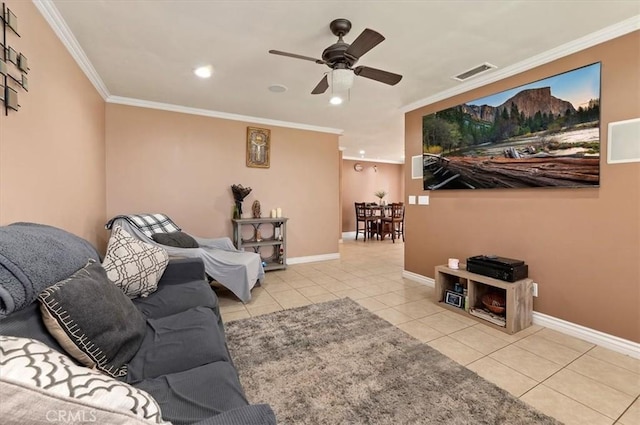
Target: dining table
{"x":379,"y":211}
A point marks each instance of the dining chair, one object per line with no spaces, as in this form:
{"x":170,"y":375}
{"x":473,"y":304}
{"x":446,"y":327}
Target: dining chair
{"x":394,"y":222}
{"x":365,"y":215}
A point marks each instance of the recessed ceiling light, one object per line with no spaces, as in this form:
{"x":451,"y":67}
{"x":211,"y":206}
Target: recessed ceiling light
{"x":361,"y":152}
{"x":335,"y":100}
{"x":277,"y":88}
{"x":204,"y":71}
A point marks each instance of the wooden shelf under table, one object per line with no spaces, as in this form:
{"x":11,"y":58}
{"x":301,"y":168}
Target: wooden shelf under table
{"x":518,"y":296}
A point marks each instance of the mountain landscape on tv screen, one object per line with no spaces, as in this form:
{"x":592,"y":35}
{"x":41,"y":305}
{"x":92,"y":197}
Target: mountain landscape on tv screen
{"x":533,"y":138}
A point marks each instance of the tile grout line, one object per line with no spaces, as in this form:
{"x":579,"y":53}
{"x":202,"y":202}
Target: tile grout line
{"x":578,"y":401}
{"x":586,"y":353}
{"x":626,"y":410}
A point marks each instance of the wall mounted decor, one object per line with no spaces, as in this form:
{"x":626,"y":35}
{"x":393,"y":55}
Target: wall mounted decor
{"x":542,"y":134}
{"x":258,"y":147}
{"x":13,"y":64}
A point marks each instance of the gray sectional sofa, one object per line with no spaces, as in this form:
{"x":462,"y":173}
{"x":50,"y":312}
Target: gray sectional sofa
{"x":181,"y":361}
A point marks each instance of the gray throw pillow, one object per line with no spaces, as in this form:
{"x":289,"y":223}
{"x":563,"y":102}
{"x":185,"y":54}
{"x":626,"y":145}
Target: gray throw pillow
{"x":93,"y":320}
{"x":177,"y":239}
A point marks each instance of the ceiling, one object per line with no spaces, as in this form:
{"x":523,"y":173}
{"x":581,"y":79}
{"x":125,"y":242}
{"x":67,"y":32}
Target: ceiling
{"x":147,"y":50}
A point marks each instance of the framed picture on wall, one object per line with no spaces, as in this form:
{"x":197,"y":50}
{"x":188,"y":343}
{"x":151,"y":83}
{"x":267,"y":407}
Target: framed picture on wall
{"x":542,"y":134}
{"x":258,"y":147}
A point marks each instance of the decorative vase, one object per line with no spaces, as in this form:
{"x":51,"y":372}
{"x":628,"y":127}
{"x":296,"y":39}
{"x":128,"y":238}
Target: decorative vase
{"x":237,"y":210}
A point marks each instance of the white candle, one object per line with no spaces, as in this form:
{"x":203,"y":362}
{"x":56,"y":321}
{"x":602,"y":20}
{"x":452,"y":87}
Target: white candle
{"x":278,"y":212}
{"x":273,"y":213}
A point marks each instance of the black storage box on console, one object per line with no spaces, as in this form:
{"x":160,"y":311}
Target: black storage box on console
{"x":501,"y":268}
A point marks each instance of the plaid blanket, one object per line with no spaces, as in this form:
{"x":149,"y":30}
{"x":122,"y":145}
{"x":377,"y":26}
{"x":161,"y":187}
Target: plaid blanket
{"x":148,"y":223}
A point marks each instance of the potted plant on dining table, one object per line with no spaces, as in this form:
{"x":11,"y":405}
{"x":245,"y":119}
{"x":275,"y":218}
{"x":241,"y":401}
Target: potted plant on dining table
{"x":380,"y":194}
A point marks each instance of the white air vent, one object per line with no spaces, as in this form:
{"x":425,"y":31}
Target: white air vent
{"x":474,"y":71}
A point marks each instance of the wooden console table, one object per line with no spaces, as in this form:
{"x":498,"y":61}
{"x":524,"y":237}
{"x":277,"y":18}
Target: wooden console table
{"x":269,"y":241}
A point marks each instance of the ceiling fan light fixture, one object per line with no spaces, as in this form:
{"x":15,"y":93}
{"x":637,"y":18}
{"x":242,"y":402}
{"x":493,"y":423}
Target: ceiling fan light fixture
{"x":341,"y":80}
{"x":204,"y":71}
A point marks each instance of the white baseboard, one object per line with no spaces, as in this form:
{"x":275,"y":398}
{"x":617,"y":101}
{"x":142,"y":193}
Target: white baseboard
{"x":620,"y":345}
{"x":313,"y":258}
{"x":348,"y":235}
{"x":419,"y":278}
{"x":611,"y":342}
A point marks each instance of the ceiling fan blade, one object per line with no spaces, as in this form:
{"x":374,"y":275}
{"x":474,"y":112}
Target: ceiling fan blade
{"x":366,"y":41}
{"x":378,"y":75}
{"x":322,"y":86}
{"x":293,"y":55}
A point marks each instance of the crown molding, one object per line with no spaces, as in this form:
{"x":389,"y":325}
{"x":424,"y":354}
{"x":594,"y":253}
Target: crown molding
{"x":609,"y":33}
{"x":60,"y":28}
{"x":215,"y":114}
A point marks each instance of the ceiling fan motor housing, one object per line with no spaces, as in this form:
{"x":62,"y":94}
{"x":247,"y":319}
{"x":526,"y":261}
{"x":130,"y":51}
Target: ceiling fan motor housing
{"x":335,"y":58}
{"x":334,"y":54}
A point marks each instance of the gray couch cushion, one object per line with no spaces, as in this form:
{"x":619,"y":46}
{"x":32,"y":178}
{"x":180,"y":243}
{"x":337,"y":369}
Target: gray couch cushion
{"x":195,"y":394}
{"x":172,"y":299}
{"x":93,"y":320}
{"x":177,"y":343}
{"x":28,"y":323}
{"x":254,"y":414}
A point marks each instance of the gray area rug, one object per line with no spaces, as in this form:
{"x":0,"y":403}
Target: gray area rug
{"x":337,"y":363}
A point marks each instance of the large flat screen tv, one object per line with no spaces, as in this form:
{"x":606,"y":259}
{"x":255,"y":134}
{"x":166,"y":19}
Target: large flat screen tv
{"x":542,"y":134}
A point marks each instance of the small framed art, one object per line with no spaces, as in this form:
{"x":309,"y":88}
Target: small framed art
{"x":258,"y":147}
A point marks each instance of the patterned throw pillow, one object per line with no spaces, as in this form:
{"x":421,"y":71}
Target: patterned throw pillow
{"x":93,"y":320}
{"x":48,"y":380}
{"x":133,"y":265}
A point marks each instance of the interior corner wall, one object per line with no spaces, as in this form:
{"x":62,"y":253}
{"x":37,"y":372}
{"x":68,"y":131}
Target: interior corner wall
{"x":184,"y":165}
{"x":360,"y":186}
{"x":52,"y":154}
{"x":582,"y":245}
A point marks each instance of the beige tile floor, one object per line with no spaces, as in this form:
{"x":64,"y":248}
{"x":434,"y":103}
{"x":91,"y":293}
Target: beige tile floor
{"x":562,"y":376}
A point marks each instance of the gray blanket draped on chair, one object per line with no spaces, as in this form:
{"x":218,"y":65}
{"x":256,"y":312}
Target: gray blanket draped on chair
{"x":236,"y":270}
{"x":34,"y":257}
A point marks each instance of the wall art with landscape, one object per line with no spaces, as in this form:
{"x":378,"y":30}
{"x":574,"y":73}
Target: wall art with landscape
{"x":542,"y":134}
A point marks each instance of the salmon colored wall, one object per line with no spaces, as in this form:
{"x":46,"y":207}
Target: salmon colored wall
{"x":184,"y":165}
{"x":52,"y":157}
{"x":359,"y":186}
{"x":582,"y":245}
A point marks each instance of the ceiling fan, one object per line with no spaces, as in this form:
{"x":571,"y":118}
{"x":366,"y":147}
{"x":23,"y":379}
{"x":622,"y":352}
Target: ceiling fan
{"x":341,"y":58}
